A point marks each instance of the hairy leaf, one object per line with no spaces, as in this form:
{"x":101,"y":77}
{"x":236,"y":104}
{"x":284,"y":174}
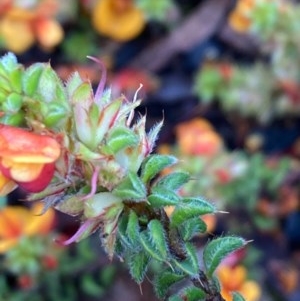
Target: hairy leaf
{"x":154,"y":164}
{"x":192,"y":227}
{"x":132,"y":229}
{"x":217,"y":249}
{"x":119,"y":138}
{"x":158,"y":238}
{"x":131,"y":188}
{"x":190,"y":208}
{"x":193,"y":293}
{"x":173,"y":181}
{"x":138,"y":265}
{"x":161,"y":197}
{"x":164,"y":280}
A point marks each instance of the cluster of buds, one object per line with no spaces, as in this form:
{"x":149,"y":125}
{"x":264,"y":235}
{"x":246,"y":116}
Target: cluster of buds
{"x":66,"y":144}
{"x":85,"y":154}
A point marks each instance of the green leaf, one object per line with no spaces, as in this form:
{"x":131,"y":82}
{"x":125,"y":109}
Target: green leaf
{"x":173,"y":181}
{"x":190,"y":208}
{"x":153,"y":133}
{"x":237,"y":297}
{"x":132,"y":229}
{"x":8,"y":62}
{"x":13,"y":103}
{"x":56,"y":114}
{"x":216,"y":250}
{"x":131,"y":188}
{"x":138,"y":265}
{"x":154,"y":164}
{"x":186,"y":266}
{"x":158,"y":238}
{"x":15,"y":78}
{"x":190,"y":265}
{"x":164,"y":280}
{"x":82,"y":93}
{"x":191,"y":253}
{"x":15,"y":119}
{"x":161,"y":197}
{"x":120,"y":138}
{"x":122,"y":232}
{"x":31,"y":78}
{"x":148,"y":246}
{"x":193,"y":293}
{"x":50,"y":87}
{"x":192,"y":227}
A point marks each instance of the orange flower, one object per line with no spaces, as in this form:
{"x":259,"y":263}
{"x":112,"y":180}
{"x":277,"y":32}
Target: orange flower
{"x":26,"y":158}
{"x":120,"y":20}
{"x":35,"y":25}
{"x":196,"y":137}
{"x":233,"y":279}
{"x":17,"y":222}
{"x":239,"y":19}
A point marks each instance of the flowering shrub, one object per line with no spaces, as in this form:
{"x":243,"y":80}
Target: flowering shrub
{"x":267,"y":89}
{"x":105,"y":174}
{"x":36,"y":21}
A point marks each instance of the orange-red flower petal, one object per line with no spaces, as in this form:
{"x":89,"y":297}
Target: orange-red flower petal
{"x":22,"y":146}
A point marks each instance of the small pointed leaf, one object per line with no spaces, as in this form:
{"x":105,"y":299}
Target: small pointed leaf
{"x":190,"y":208}
{"x":138,"y":265}
{"x":192,"y":227}
{"x":131,"y":188}
{"x":154,"y":164}
{"x":161,"y":197}
{"x":217,"y":249}
{"x":158,"y":238}
{"x":148,"y":246}
{"x":122,"y":234}
{"x":120,"y":138}
{"x":31,"y":78}
{"x":132,"y":229}
{"x":164,"y":280}
{"x":191,"y":253}
{"x":173,"y":181}
{"x":193,"y":293}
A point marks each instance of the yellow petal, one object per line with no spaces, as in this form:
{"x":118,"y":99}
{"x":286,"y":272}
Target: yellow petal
{"x":39,"y":224}
{"x":16,"y":33}
{"x":232,"y":278}
{"x":121,"y":24}
{"x":48,"y":32}
{"x":12,"y":221}
{"x":239,"y":22}
{"x":7,"y":244}
{"x":250,"y":291}
{"x":22,"y":172}
{"x":6,"y":185}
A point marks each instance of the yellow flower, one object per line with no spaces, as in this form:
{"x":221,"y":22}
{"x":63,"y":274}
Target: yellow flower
{"x":240,"y":19}
{"x":33,"y":26}
{"x":234,"y":279}
{"x":17,"y":222}
{"x":120,"y":20}
{"x":26,"y":159}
